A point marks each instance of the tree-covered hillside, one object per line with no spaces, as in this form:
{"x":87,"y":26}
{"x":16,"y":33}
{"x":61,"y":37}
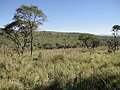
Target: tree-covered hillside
{"x":56,"y":40}
{"x":52,"y":40}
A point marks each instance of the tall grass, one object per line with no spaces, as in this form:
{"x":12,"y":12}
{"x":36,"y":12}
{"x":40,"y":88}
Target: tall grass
{"x":60,"y":69}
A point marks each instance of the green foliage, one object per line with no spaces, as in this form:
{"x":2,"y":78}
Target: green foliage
{"x":116,"y":27}
{"x":113,"y":43}
{"x":31,"y":14}
{"x":55,"y":40}
{"x":89,"y":40}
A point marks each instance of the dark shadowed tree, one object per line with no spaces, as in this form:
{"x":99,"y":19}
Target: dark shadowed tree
{"x":89,"y":40}
{"x":115,"y":30}
{"x":18,"y":32}
{"x":33,"y":16}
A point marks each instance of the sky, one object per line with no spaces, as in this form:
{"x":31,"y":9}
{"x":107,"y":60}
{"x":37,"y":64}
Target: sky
{"x":84,"y":16}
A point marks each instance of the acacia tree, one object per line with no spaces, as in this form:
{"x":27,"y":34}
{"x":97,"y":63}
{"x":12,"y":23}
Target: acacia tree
{"x":89,"y":40}
{"x":33,"y":16}
{"x":115,"y":43}
{"x":19,"y":33}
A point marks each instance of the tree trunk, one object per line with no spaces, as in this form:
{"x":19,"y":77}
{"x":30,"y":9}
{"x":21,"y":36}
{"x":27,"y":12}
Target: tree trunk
{"x":31,"y":42}
{"x":86,"y":44}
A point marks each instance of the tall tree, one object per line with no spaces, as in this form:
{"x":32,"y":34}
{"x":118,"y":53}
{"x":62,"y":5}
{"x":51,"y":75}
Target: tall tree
{"x":115,"y":30}
{"x":33,"y":16}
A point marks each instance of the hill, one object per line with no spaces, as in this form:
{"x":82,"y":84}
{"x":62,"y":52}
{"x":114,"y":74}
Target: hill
{"x":52,"y":40}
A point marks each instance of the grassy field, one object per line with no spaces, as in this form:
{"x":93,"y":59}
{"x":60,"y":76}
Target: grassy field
{"x":61,"y":69}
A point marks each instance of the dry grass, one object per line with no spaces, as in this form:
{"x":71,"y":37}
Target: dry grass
{"x":47,"y":66}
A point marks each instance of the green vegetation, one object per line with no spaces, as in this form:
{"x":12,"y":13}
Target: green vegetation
{"x":66,"y":65}
{"x":20,"y":31}
{"x":60,"y":61}
{"x":90,"y":40}
{"x":55,"y":40}
{"x":61,"y":69}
